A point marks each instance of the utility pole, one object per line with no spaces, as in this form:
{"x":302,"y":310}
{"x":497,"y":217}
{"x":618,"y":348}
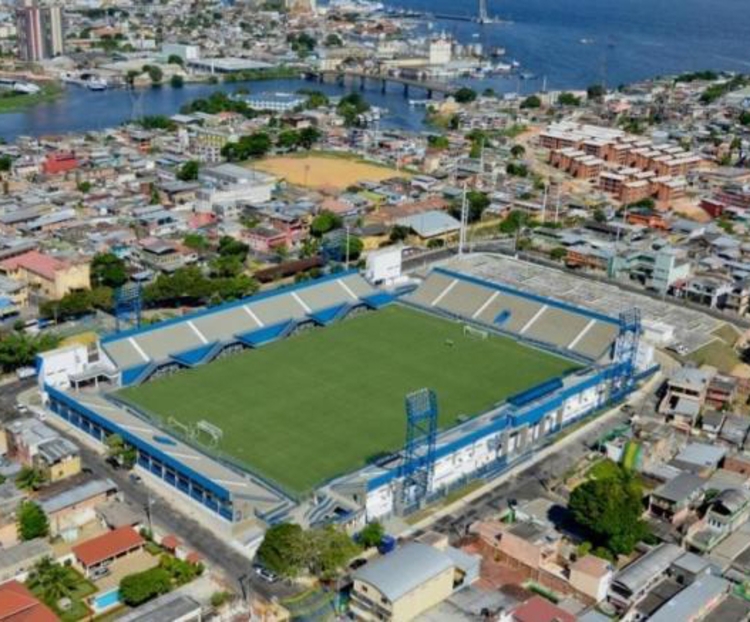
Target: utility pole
{"x":347,"y":246}
{"x":464,"y":222}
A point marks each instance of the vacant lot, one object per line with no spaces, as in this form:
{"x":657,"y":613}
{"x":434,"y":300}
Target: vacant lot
{"x":324,"y":171}
{"x":323,"y":403}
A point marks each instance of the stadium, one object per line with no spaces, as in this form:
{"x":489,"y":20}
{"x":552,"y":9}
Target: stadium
{"x":334,"y":400}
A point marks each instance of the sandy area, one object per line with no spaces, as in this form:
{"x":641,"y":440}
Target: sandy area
{"x":323,"y":172}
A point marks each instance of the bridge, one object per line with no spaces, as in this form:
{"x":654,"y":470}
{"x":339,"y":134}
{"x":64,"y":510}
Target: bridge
{"x":430,"y":86}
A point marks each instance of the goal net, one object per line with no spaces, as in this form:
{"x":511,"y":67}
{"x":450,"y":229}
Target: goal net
{"x":475,"y":333}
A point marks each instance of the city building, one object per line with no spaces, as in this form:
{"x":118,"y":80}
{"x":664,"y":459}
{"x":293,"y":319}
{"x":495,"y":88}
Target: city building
{"x":18,"y":604}
{"x":41,"y":31}
{"x":104,"y":549}
{"x":37,"y":445}
{"x":46,"y":275}
{"x":409,"y":581}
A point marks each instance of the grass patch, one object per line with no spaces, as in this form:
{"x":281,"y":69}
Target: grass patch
{"x":328,"y":401}
{"x":18,"y":101}
{"x":716,"y":354}
{"x":78,"y":609}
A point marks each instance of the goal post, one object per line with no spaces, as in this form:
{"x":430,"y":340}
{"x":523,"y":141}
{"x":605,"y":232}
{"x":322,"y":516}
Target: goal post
{"x":214,"y":432}
{"x":475,"y":333}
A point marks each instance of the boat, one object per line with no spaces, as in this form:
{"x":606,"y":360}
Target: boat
{"x":586,"y":41}
{"x":96,"y":84}
{"x":26,"y":88}
{"x":527,"y":75}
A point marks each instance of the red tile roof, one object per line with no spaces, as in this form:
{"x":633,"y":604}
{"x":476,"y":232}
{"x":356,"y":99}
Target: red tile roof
{"x":538,"y":609}
{"x":194,"y":557}
{"x":107,"y":546}
{"x":170,"y":542}
{"x":36,"y":262}
{"x":18,"y":604}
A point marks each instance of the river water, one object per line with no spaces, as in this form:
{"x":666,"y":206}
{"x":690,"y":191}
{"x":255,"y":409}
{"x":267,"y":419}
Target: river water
{"x":571,"y":43}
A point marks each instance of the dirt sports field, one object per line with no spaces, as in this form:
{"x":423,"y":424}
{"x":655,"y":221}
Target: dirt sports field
{"x":323,"y":171}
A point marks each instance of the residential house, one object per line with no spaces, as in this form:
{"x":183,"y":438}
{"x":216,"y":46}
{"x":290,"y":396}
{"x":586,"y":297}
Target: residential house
{"x":46,"y":275}
{"x":685,"y":396}
{"x":104,"y":549}
{"x":632,"y":582}
{"x":409,"y":581}
{"x":18,"y":604}
{"x":16,"y":561}
{"x":676,"y":499}
{"x":38,"y":446}
{"x":70,"y":508}
{"x":729,"y":509}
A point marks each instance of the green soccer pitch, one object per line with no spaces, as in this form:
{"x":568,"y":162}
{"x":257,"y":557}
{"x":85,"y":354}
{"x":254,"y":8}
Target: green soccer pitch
{"x":322,"y":403}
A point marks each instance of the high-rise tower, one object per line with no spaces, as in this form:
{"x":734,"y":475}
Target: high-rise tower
{"x":484,"y":16}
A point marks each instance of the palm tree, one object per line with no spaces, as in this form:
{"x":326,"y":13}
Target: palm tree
{"x":30,"y":478}
{"x":52,"y":580}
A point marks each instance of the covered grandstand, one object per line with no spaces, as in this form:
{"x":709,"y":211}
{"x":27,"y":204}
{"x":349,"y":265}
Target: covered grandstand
{"x":561,"y":326}
{"x":201,"y":337}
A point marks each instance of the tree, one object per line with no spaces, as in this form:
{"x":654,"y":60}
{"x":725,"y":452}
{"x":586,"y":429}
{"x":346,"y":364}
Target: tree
{"x":333,"y":41}
{"x":465,"y":95}
{"x":558,"y":253}
{"x":288,"y":140}
{"x":124,"y":453}
{"x":32,"y":521}
{"x":228,"y":246}
{"x":308,"y":136}
{"x":372,"y":535}
{"x":438,"y":143}
{"x":610,"y":508}
{"x":253,"y":146}
{"x":599,"y":215}
{"x":52,"y":580}
{"x":596,"y":92}
{"x":174,"y":59}
{"x":6,"y":163}
{"x":351,"y":106}
{"x":325,"y":222}
{"x":195,"y":241}
{"x":399,"y":233}
{"x":284,"y":550}
{"x":744,"y":119}
{"x":517,"y":151}
{"x":517,"y":169}
{"x":136,"y":589}
{"x":332,"y":549}
{"x":315,"y":99}
{"x":477,"y":202}
{"x":532,"y":101}
{"x":568,"y":99}
{"x":155,"y":74}
{"x":355,"y":248}
{"x":189,"y":171}
{"x":515,"y":221}
{"x":20,"y":350}
{"x":108,"y":270}
{"x":176,"y":81}
{"x":29,"y":478}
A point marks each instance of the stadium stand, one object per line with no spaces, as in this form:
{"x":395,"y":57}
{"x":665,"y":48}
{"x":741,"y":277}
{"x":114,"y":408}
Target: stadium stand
{"x":559,"y":325}
{"x":192,"y":339}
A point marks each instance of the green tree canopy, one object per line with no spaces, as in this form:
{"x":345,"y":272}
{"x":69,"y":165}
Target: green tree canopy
{"x":568,"y":99}
{"x":596,"y":92}
{"x":29,"y":478}
{"x":252,"y":146}
{"x":324,"y":222}
{"x":465,"y":95}
{"x":189,"y":171}
{"x":284,"y":550}
{"x":371,"y":535}
{"x":19,"y":349}
{"x":32,"y":521}
{"x":532,"y":101}
{"x":136,"y":589}
{"x":610,"y":508}
{"x":108,"y":270}
{"x":52,"y":580}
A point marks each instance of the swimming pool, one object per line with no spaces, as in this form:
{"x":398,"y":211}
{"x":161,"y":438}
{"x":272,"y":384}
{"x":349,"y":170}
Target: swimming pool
{"x":107,"y":600}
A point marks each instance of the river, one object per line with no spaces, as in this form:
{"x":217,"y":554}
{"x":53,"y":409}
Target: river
{"x":571,"y":43}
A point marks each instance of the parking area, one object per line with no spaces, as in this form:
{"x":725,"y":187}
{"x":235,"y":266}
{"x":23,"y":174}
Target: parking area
{"x":135,"y":562}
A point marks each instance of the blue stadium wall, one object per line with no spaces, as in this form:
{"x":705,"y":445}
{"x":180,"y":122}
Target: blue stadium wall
{"x":179,"y":476}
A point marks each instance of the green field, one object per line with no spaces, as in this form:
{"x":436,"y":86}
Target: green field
{"x":322,"y":403}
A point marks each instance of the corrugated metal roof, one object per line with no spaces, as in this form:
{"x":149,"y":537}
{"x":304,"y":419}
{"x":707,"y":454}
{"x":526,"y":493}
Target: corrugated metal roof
{"x":400,"y":572}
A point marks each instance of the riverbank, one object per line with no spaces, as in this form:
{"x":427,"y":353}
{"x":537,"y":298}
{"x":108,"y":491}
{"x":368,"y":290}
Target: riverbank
{"x":15,"y":102}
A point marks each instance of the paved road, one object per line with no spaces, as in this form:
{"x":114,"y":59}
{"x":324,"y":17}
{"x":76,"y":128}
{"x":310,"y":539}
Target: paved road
{"x":212,"y":547}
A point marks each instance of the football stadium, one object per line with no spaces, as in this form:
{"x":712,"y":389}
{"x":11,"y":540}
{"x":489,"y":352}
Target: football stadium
{"x":334,"y":400}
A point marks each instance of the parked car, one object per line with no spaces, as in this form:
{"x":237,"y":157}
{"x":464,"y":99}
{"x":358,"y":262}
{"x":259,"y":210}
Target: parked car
{"x":266,"y":574}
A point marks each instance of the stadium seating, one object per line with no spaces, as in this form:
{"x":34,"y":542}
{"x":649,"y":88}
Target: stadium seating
{"x":541,"y":320}
{"x":251,"y":321}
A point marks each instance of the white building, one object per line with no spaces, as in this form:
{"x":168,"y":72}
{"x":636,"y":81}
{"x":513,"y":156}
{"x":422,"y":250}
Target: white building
{"x":441,"y":51}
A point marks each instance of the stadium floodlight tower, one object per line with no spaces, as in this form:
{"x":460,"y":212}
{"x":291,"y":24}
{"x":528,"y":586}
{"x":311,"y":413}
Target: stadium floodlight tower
{"x":625,"y":353}
{"x":419,"y":449}
{"x":128,"y":305}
